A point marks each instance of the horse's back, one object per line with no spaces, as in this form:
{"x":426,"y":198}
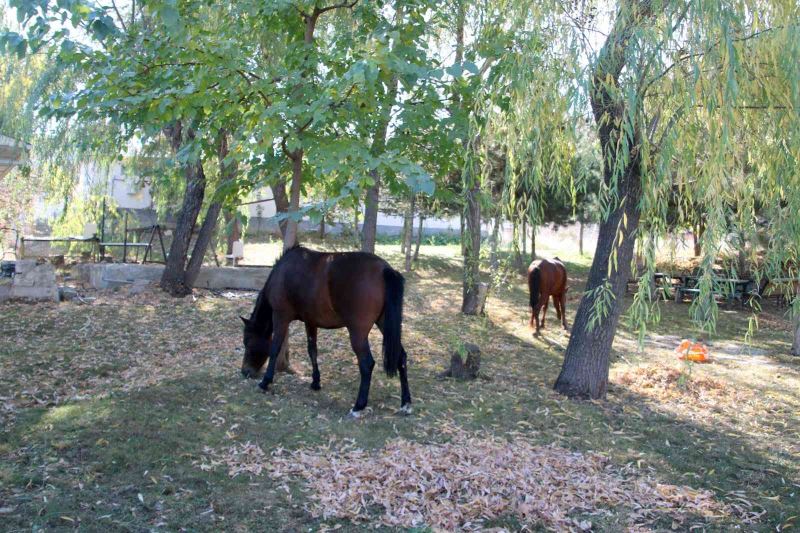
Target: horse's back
{"x":329,"y":290}
{"x":553,"y":275}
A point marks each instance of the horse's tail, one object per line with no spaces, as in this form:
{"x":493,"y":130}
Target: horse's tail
{"x":533,"y":285}
{"x":392,"y":320}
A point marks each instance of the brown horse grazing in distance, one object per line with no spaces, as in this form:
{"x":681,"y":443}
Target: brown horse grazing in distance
{"x":547,"y":278}
{"x":352,"y":290}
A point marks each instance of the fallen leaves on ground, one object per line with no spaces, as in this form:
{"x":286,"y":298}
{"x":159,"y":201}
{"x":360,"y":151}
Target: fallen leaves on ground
{"x":460,"y":484}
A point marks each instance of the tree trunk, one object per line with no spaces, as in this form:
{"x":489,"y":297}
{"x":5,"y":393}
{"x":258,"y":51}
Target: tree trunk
{"x":524,"y":237}
{"x":533,"y":243}
{"x":472,"y":276}
{"x":410,"y":232}
{"x":378,"y":147}
{"x":233,"y":229}
{"x":493,"y":258}
{"x":370,"y":231}
{"x":742,"y":259}
{"x":585,"y":370}
{"x":463,"y":235}
{"x":697,"y":234}
{"x":206,"y":234}
{"x":406,"y":223}
{"x":173,"y":279}
{"x":419,"y":236}
{"x":290,"y":238}
{"x":201,"y":244}
{"x":281,"y":205}
{"x":796,"y":343}
{"x":515,"y":241}
{"x":580,"y":237}
{"x":355,"y":224}
{"x":322,"y":228}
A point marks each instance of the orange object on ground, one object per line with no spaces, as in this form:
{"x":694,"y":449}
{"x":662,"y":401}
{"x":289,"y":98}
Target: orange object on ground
{"x":690,"y":351}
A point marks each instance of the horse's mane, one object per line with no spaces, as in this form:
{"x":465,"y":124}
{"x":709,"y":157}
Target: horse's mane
{"x":262,"y":295}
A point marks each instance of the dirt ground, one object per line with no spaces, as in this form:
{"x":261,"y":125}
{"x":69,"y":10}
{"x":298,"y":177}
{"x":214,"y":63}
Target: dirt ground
{"x":129,"y":413}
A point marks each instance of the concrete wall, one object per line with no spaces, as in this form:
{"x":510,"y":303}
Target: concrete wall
{"x":110,"y":275}
{"x":31,"y":282}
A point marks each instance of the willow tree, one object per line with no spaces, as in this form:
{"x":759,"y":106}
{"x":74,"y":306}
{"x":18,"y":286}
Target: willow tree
{"x":695,"y":98}
{"x":702,"y":95}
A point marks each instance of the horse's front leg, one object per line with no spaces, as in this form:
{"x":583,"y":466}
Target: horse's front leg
{"x":311,"y":334}
{"x":360,"y":344}
{"x":280,"y":329}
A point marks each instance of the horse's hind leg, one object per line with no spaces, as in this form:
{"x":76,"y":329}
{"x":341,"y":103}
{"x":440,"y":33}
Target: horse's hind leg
{"x":359,"y":340}
{"x":311,"y":335}
{"x":557,"y":305}
{"x":405,"y":393}
{"x":545,"y":299}
{"x":280,"y":327}
{"x":562,"y":300}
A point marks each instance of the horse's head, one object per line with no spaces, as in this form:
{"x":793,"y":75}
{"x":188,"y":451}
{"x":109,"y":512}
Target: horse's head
{"x":256,"y":349}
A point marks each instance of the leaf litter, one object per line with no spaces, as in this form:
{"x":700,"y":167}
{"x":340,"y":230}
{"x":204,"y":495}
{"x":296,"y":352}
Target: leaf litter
{"x":466,"y":481}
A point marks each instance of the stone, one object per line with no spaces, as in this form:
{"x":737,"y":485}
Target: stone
{"x":66,"y":294}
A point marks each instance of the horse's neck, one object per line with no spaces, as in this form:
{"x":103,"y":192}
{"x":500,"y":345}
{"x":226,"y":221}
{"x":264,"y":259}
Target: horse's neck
{"x":262,"y":313}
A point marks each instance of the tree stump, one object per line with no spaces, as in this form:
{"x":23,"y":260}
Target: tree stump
{"x":461,"y":369}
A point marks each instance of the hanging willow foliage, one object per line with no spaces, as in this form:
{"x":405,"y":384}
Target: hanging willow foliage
{"x":709,"y":93}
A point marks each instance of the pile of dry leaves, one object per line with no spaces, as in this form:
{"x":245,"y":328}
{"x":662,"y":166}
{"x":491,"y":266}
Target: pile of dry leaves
{"x":460,"y":484}
{"x":666,"y":383}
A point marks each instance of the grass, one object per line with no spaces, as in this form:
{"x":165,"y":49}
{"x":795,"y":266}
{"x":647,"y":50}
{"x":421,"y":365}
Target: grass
{"x":107,"y":408}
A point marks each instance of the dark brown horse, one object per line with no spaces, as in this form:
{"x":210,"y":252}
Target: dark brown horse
{"x":352,"y":290}
{"x":547,"y":278}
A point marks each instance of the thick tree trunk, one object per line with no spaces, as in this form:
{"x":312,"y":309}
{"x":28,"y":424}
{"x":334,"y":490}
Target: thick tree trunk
{"x":472,"y":276}
{"x":419,"y":236}
{"x":580,"y":237}
{"x":290,"y":238}
{"x":410,"y":232}
{"x":585,"y":370}
{"x":173,"y":280}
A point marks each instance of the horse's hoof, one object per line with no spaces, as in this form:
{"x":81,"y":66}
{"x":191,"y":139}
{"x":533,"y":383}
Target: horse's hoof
{"x":355,"y":414}
{"x":316,"y":386}
{"x":263,"y":387}
{"x":405,"y":410}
